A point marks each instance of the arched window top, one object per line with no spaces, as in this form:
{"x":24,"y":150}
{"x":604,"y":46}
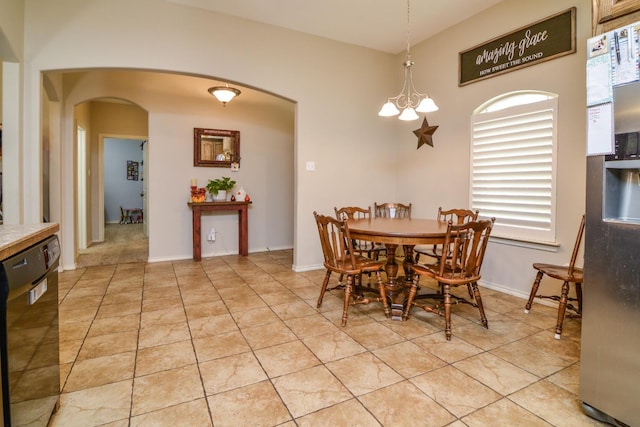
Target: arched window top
{"x":513,"y":99}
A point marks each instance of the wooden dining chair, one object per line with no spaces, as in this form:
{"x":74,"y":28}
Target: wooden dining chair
{"x":567,"y":274}
{"x":341,"y":258}
{"x":456,"y":216}
{"x":363,"y":247}
{"x":392,"y":210}
{"x":463,"y":252}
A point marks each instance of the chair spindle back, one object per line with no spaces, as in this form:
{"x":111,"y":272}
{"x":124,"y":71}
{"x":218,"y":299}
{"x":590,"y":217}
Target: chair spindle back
{"x":464,"y":250}
{"x":392,"y":210}
{"x":337,"y":246}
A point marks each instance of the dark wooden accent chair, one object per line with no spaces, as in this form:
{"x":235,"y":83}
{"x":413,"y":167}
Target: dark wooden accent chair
{"x":456,"y":216}
{"x":392,"y":210}
{"x":463,"y":253}
{"x":567,"y":274}
{"x":341,"y":258}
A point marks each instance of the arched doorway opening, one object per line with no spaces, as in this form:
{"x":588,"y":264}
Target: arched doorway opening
{"x":111,"y":142}
{"x":176,"y":104}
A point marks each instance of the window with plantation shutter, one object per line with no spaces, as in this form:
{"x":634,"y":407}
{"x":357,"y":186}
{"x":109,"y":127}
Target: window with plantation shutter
{"x":513,"y":161}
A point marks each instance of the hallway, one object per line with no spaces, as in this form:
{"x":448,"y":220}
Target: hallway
{"x":123,"y":243}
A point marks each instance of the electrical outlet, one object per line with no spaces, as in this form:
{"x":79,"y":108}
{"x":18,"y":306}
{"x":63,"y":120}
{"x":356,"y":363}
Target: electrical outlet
{"x":212,"y":235}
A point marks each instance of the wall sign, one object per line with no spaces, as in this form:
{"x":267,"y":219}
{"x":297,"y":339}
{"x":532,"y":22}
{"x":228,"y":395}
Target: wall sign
{"x":538,"y":42}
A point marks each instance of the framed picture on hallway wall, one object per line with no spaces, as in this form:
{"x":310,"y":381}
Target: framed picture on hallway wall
{"x":132,"y":170}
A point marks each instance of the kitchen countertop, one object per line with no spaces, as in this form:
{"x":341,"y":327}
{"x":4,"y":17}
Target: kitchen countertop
{"x":17,"y":237}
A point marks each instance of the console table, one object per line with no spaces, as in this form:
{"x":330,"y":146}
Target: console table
{"x":243,"y":233}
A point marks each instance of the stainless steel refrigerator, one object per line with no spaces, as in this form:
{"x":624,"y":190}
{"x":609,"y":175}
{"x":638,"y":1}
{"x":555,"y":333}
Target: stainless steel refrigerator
{"x":610,"y":346}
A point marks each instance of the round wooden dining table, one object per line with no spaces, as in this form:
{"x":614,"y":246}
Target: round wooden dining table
{"x":393,"y":232}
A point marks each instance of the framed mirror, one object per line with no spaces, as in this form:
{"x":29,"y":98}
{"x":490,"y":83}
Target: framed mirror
{"x":215,"y":147}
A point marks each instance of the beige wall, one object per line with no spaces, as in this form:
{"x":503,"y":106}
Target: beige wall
{"x":329,"y":129}
{"x":11,"y":51}
{"x":507,"y":267}
{"x":338,"y":89}
{"x":127,"y":119}
{"x":11,"y":54}
{"x":0,"y":90}
{"x":12,"y":35}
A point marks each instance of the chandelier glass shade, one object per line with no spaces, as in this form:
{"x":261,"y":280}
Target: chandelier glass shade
{"x":409,"y":102}
{"x":224,"y":93}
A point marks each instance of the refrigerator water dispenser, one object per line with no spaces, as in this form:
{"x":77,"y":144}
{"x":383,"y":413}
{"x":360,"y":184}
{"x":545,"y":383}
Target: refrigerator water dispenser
{"x":622,"y":177}
{"x":622,"y":190}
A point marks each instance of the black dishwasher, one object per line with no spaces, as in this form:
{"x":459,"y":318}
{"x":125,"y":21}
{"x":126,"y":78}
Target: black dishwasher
{"x":29,"y":337}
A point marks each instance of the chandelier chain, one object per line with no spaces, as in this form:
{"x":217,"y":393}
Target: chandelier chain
{"x":408,"y":26}
{"x":409,"y":100}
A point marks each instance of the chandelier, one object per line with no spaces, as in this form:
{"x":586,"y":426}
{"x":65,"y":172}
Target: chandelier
{"x":409,"y":100}
{"x":224,"y":93}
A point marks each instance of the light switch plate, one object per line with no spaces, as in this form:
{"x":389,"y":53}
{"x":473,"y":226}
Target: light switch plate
{"x":311,"y":166}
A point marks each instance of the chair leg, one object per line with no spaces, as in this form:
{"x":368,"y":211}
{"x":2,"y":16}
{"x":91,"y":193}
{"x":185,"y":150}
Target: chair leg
{"x":534,"y":291}
{"x":478,"y":298}
{"x":579,"y":297}
{"x":446,"y":289}
{"x":561,"y":309}
{"x":324,"y":288}
{"x":347,"y":298}
{"x":383,"y":294}
{"x":412,"y":294}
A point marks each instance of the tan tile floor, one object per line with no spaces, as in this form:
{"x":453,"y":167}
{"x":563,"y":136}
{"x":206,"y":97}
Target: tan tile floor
{"x":238,"y":341}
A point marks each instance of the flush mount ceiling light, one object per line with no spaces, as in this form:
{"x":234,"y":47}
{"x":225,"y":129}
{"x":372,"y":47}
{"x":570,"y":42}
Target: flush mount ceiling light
{"x":224,"y":93}
{"x":409,"y":100}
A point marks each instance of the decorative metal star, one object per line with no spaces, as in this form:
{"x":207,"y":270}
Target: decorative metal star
{"x":425,"y":133}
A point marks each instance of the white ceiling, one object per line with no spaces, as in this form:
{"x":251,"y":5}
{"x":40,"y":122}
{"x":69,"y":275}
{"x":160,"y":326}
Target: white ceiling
{"x":375,"y":24}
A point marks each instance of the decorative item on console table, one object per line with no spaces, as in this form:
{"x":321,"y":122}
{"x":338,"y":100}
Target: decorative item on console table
{"x":218,"y":187}
{"x":198,"y":195}
{"x":240,"y":194}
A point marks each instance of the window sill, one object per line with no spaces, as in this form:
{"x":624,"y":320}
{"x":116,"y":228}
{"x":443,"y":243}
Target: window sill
{"x":529,"y":244}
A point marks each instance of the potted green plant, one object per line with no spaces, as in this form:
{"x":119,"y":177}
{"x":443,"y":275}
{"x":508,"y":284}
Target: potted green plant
{"x":218,"y":187}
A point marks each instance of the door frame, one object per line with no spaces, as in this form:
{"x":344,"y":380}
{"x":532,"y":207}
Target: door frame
{"x":100,"y":218}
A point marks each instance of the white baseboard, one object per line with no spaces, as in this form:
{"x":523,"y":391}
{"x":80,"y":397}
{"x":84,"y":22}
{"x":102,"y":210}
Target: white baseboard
{"x":515,"y":293}
{"x":303,"y":268}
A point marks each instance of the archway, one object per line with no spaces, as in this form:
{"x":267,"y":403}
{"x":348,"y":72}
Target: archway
{"x":177,"y":104}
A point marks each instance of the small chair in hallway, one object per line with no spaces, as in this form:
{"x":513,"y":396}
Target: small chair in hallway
{"x":131,"y":215}
{"x":123,"y":218}
{"x":392,"y":210}
{"x":341,"y":258}
{"x":567,"y":274}
{"x":463,"y":252}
